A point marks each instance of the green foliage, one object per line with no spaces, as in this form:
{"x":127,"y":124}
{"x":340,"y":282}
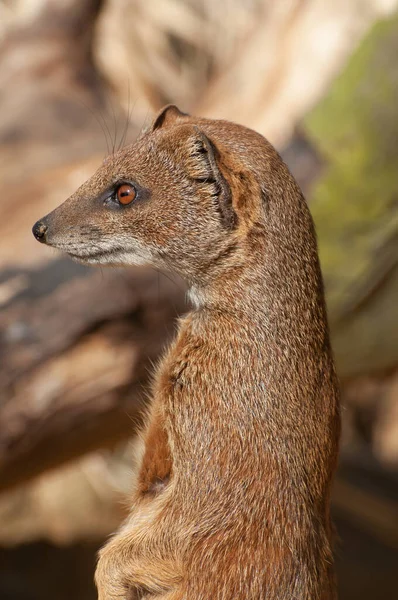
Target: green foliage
{"x":354,"y":202}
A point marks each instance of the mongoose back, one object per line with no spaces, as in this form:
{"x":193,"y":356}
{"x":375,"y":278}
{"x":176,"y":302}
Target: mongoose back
{"x":231,"y":499}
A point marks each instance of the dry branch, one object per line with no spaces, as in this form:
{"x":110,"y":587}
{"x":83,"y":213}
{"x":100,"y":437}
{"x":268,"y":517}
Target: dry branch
{"x":75,"y":361}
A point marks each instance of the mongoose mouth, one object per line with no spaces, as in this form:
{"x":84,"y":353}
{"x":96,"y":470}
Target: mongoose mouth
{"x":83,"y":256}
{"x":115,"y":257}
{"x":92,"y":256}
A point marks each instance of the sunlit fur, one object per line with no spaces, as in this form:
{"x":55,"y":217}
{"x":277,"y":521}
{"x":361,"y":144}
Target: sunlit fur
{"x":231,"y":499}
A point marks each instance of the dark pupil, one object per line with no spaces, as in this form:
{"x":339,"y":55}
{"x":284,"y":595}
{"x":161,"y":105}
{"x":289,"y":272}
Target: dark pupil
{"x":127,"y":193}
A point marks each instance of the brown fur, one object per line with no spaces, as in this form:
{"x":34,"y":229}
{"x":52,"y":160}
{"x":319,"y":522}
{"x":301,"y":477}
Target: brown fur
{"x":232,"y":496}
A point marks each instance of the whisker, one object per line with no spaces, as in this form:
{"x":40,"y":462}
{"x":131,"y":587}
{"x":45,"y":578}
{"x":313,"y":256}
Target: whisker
{"x":107,"y":129}
{"x":128,"y":118}
{"x":98,"y":121}
{"x":144,"y":124}
{"x":178,"y":285}
{"x":115,"y":125}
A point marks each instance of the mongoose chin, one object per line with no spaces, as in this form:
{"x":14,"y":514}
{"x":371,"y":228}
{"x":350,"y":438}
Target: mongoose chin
{"x":231,"y":499}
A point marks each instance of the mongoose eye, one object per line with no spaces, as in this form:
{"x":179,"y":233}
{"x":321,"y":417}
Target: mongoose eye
{"x":125,"y":194}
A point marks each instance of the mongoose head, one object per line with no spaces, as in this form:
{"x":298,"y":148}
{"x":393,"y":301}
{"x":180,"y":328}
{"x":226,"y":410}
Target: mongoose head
{"x":190,"y":195}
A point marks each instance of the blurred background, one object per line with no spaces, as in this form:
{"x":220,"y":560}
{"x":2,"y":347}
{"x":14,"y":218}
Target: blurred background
{"x":81,"y":77}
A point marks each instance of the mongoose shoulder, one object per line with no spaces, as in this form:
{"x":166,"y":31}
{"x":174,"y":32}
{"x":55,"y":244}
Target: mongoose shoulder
{"x":232,"y":495}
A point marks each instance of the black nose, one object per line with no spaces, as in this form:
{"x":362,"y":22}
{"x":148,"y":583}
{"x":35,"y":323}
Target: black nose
{"x":39,"y":230}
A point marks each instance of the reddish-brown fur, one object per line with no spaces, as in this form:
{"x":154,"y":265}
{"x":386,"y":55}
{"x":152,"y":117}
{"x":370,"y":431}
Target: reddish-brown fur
{"x":232,"y":495}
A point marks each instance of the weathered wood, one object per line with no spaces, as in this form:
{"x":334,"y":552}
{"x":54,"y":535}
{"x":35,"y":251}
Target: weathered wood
{"x":354,"y":203}
{"x":76,"y":354}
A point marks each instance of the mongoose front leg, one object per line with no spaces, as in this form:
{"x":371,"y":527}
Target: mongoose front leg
{"x":127,"y":569}
{"x":139,"y":559}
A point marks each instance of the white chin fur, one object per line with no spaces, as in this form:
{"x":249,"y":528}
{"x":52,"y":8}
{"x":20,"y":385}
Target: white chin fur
{"x":135,"y":257}
{"x":119,"y":259}
{"x":115,"y":251}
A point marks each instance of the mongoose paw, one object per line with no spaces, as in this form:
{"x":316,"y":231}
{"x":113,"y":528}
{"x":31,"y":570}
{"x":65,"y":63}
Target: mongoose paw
{"x":110,"y":577}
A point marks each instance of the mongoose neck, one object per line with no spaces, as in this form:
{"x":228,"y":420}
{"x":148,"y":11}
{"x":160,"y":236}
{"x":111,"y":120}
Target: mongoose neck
{"x":279,"y":292}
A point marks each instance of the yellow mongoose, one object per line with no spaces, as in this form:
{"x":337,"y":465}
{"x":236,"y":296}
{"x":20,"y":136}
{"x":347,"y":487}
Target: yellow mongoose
{"x":232,"y":494}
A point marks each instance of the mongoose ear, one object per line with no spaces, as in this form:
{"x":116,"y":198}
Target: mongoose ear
{"x":167,"y":116}
{"x":205,"y":166}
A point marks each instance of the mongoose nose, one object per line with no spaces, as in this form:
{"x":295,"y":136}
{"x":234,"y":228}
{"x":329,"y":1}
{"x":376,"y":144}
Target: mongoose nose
{"x":39,"y":230}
